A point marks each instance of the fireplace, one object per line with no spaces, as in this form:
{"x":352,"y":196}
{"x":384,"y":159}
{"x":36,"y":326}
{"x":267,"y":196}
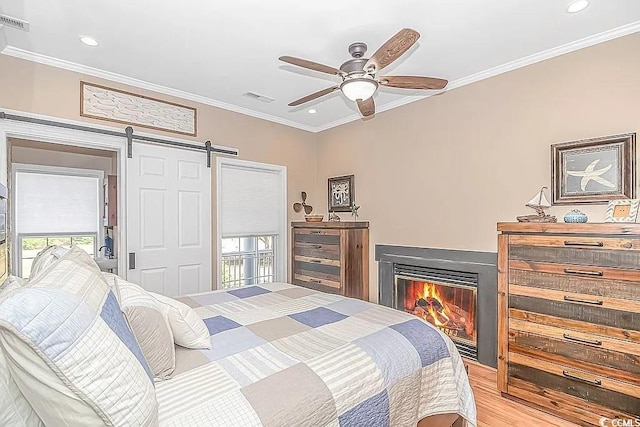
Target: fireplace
{"x":446,"y":299}
{"x":453,"y":290}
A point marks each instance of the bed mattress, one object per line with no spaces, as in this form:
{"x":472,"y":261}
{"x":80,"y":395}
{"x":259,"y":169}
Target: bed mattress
{"x":284,"y":355}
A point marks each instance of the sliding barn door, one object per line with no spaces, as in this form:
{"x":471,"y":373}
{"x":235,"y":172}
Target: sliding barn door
{"x":169,"y":220}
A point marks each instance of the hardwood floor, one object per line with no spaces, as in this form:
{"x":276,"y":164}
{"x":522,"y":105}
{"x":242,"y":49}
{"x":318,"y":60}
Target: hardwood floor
{"x":496,"y":411}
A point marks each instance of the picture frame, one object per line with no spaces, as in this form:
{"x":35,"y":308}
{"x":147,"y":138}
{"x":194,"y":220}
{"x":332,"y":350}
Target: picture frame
{"x":341,"y":193}
{"x":593,"y":170}
{"x":119,"y":106}
{"x":622,"y":210}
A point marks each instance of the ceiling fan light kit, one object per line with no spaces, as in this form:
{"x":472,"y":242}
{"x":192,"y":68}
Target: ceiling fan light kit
{"x":359,"y":81}
{"x":359,"y":88}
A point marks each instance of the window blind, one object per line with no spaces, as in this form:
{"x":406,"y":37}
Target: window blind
{"x":252,"y":200}
{"x":52,"y":203}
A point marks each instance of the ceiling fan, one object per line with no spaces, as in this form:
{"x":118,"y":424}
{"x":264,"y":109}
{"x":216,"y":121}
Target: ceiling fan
{"x":359,"y":75}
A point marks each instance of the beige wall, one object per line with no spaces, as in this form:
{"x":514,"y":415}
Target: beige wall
{"x":36,"y":88}
{"x":442,"y":171}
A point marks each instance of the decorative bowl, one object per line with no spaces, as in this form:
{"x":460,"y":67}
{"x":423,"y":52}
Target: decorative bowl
{"x":575,"y":216}
{"x":313,"y":218}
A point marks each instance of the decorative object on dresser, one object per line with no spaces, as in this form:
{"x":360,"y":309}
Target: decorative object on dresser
{"x":118,"y":106}
{"x":342,"y":193}
{"x":569,"y":318}
{"x":575,"y":216}
{"x":622,"y":211}
{"x":297,"y":207}
{"x":333,"y":216}
{"x":593,"y":170}
{"x":538,"y":202}
{"x":332,"y":257}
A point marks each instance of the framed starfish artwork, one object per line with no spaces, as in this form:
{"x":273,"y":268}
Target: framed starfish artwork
{"x":341,"y":193}
{"x":593,"y":170}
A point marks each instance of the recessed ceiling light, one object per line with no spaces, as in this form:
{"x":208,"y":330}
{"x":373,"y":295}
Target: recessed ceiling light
{"x":312,"y":111}
{"x":578,"y":6}
{"x":89,"y":41}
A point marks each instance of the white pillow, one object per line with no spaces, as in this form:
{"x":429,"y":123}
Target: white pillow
{"x":11,"y":283}
{"x":147,"y":318}
{"x":45,"y":258}
{"x":70,"y":351}
{"x":15,"y":410}
{"x":188,"y":328}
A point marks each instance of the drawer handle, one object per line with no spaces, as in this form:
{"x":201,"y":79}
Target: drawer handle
{"x":594,"y":244}
{"x":583,"y":301}
{"x":582,"y":341}
{"x":317,"y":246}
{"x":316,"y":232}
{"x":585,"y":380}
{"x":317,"y":261}
{"x":315,"y":281}
{"x":583,"y":272}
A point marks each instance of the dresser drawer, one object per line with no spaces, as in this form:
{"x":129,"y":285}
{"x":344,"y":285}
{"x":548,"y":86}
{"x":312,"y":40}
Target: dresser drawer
{"x":577,"y":242}
{"x":569,"y":279}
{"x":316,"y":270}
{"x":322,"y":284}
{"x":317,"y":250}
{"x":599,"y":355}
{"x":309,"y":235}
{"x":625,"y":259}
{"x":563,"y":305}
{"x":601,"y":390}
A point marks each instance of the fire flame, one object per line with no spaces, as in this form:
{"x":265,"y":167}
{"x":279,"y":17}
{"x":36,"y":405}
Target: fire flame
{"x":431,"y":291}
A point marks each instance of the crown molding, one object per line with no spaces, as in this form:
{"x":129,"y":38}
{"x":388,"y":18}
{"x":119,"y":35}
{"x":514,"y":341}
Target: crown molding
{"x":622,"y":31}
{"x":130,"y":81}
{"x":605,"y":36}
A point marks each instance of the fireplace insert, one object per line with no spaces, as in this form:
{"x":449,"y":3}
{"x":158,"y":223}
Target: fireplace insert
{"x":446,"y":299}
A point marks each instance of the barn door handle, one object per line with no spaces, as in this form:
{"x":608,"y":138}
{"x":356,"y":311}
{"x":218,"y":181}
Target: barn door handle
{"x":583,"y":301}
{"x":132,"y":260}
{"x":596,"y":244}
{"x":580,"y":340}
{"x":583,"y":272}
{"x":584,"y":380}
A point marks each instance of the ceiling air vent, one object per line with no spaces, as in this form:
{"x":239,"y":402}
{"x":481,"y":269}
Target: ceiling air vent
{"x":258,"y":97}
{"x":12,"y":22}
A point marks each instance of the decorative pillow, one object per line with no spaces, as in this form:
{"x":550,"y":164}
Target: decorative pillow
{"x":188,"y":328}
{"x":71,"y":352}
{"x":147,"y":319}
{"x":11,"y":283}
{"x":45,"y":258}
{"x":15,"y":409}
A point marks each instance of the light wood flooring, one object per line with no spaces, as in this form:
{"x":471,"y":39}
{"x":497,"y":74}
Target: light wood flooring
{"x":496,"y":411}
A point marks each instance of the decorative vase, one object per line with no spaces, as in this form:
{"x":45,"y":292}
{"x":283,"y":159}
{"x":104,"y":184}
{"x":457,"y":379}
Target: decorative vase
{"x":574,"y":216}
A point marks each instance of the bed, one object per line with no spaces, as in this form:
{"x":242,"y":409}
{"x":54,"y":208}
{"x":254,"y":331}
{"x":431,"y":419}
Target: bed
{"x":283,"y":355}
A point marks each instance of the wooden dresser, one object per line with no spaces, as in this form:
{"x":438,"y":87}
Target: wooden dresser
{"x":569,"y":318}
{"x":331,"y":257}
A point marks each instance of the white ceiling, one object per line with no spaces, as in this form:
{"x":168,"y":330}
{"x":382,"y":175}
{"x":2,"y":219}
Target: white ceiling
{"x":216,"y":51}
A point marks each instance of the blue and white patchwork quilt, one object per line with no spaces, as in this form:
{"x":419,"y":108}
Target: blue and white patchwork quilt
{"x":284,"y":355}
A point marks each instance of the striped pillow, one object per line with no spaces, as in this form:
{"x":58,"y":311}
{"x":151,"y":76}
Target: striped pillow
{"x":75,"y":358}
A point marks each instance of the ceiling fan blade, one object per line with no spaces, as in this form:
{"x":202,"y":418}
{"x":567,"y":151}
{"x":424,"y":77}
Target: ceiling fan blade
{"x":311,"y":65}
{"x":313,"y":96}
{"x":304,"y":196}
{"x":308,"y":209}
{"x":392,"y":49}
{"x":367,"y":107}
{"x":297,"y":207}
{"x":413,"y":82}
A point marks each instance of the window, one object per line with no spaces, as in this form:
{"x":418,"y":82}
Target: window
{"x":251,"y":223}
{"x":54,"y":206}
{"x":247,"y":261}
{"x":31,"y":245}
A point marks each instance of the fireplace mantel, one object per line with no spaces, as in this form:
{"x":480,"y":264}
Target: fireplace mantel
{"x":482,"y":263}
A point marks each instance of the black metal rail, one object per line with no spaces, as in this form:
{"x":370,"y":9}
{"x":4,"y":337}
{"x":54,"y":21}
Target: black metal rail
{"x":128,"y":134}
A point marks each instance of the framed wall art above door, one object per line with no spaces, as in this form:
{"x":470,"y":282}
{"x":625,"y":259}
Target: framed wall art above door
{"x":593,"y":170}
